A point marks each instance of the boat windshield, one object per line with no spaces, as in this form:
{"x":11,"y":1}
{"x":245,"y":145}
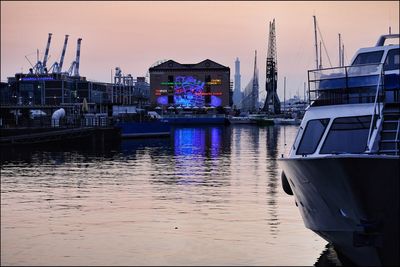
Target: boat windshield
{"x":347,"y":135}
{"x":312,"y":135}
{"x":368,"y":58}
{"x":392,"y":61}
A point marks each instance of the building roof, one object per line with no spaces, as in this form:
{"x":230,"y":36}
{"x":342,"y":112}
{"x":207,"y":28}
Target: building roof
{"x":203,"y":65}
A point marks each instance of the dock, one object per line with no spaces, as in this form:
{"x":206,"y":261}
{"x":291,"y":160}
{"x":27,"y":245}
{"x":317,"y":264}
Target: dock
{"x":31,"y":136}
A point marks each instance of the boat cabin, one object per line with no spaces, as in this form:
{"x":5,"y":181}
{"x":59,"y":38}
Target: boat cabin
{"x":354,"y":109}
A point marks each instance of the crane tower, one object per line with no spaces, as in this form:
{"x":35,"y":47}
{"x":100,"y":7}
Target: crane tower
{"x":272,"y":103}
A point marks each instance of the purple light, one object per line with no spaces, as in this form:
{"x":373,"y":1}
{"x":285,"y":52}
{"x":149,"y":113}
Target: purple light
{"x":36,"y":78}
{"x":162,"y":100}
{"x":215,"y":101}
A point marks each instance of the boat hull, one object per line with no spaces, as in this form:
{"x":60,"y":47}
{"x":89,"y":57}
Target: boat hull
{"x":132,"y":129}
{"x":352,"y":202}
{"x":241,"y":120}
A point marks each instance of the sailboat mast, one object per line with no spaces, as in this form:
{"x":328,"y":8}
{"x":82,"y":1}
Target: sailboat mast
{"x":316,"y":43}
{"x":340,"y":51}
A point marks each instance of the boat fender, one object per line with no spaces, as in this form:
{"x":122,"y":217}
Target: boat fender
{"x":285,"y":184}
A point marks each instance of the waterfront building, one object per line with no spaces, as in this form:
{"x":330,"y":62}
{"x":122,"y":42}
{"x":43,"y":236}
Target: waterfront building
{"x":206,"y":83}
{"x":45,"y":93}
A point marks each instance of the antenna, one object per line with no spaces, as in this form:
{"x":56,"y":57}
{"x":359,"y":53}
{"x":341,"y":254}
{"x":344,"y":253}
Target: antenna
{"x":342,"y":55}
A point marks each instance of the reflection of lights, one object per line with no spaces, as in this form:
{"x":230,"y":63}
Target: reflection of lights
{"x":215,"y":141}
{"x":189,"y":141}
{"x":192,"y":141}
{"x":193,"y":148}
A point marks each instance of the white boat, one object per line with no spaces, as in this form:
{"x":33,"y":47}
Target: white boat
{"x":287,"y":121}
{"x":241,"y":120}
{"x":343,"y":167}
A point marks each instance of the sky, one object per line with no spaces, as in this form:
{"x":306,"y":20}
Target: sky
{"x":134,"y":35}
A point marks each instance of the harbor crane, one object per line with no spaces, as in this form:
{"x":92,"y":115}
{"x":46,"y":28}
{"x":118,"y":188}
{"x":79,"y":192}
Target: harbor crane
{"x":272,"y":103}
{"x":57,"y":67}
{"x":40,"y":66}
{"x":74,"y":69}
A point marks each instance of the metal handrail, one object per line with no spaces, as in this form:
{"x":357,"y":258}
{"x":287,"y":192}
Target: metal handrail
{"x":342,"y":89}
{"x":376,"y":103}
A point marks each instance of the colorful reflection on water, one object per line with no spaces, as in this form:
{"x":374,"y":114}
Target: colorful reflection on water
{"x":203,"y":196}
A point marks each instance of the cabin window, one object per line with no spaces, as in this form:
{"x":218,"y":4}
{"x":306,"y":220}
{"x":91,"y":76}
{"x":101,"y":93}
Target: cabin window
{"x":312,"y":135}
{"x":392,"y":61}
{"x":368,"y":58}
{"x":347,"y":135}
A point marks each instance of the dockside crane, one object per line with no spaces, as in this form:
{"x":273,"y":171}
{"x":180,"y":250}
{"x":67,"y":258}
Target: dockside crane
{"x":46,"y":54}
{"x":57,"y":67}
{"x":40,"y":66}
{"x":271,"y":82}
{"x":63,"y":52}
{"x":74,"y":69}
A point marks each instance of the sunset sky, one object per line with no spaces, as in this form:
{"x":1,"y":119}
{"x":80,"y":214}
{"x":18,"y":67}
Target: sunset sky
{"x":133,"y":35}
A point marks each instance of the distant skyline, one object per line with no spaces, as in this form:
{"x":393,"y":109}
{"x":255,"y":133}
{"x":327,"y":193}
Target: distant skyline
{"x":133,"y":35}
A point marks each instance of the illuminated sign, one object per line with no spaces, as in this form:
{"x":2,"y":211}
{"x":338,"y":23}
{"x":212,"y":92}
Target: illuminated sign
{"x":159,"y":92}
{"x":37,"y":78}
{"x":215,"y":82}
{"x":212,"y":82}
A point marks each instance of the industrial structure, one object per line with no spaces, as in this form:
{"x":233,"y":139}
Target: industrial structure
{"x":57,"y":66}
{"x":272,"y":103}
{"x":250,"y":95}
{"x":206,"y":83}
{"x":42,"y":90}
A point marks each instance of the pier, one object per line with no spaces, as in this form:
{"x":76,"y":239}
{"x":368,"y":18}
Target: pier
{"x":30,"y":136}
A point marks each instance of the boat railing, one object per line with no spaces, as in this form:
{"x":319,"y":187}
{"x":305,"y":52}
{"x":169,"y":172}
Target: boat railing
{"x":377,"y":109}
{"x":344,"y":85}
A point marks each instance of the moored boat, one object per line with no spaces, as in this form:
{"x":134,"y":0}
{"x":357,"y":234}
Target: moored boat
{"x":195,"y":119}
{"x":343,"y":167}
{"x":287,"y":121}
{"x":146,"y":126}
{"x":241,"y":120}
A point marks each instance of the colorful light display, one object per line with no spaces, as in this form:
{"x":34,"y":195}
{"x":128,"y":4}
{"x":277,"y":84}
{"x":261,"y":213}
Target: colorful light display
{"x":189,"y":92}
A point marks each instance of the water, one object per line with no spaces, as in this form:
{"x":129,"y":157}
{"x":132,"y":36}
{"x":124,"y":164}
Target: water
{"x":204,"y":196}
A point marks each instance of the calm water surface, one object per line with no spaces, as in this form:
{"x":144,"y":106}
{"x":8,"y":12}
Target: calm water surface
{"x":204,"y":196}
